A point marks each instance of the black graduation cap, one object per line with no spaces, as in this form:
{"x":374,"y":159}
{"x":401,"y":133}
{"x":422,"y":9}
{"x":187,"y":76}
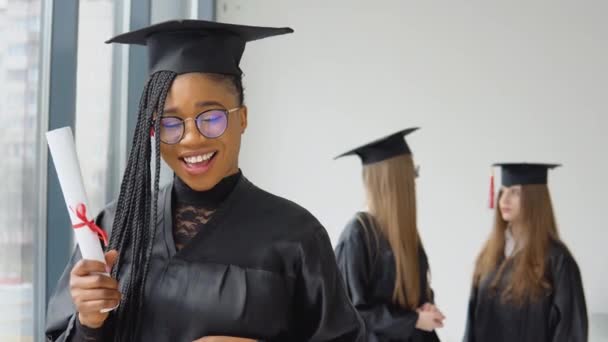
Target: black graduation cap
{"x":525,"y":173}
{"x":520,"y":174}
{"x":384,"y":148}
{"x":184,"y":46}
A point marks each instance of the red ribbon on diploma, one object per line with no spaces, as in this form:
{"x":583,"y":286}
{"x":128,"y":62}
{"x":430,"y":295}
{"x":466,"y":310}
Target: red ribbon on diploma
{"x":81,"y":213}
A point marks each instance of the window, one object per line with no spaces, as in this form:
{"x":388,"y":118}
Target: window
{"x":93,"y":97}
{"x":17,"y":50}
{"x":18,"y":215}
{"x":16,"y":75}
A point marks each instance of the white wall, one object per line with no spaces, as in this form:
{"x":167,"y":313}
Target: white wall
{"x":499,"y":81}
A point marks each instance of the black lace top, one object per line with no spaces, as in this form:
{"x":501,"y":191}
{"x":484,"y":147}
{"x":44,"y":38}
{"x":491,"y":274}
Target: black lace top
{"x":193,"y":209}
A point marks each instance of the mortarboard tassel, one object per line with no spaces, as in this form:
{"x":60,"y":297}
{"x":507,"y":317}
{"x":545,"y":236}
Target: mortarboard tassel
{"x":492,"y":192}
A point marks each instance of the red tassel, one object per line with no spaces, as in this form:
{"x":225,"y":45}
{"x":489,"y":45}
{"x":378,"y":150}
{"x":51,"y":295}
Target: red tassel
{"x":152,"y":132}
{"x":492,"y":192}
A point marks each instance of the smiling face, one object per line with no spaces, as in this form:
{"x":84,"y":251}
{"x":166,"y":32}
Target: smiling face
{"x":198,"y":161}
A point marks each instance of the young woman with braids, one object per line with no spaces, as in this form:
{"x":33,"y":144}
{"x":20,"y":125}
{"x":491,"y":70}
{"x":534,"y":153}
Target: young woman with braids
{"x":380,"y":253}
{"x":210,"y":254}
{"x":527,"y":286}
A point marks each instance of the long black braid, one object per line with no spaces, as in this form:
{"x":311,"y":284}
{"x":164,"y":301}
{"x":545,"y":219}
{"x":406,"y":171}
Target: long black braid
{"x":136,"y":210}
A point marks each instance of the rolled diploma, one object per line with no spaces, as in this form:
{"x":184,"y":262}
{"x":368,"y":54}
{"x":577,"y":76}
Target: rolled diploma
{"x":63,"y":150}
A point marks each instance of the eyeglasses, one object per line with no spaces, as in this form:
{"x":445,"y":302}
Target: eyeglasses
{"x":211,"y":124}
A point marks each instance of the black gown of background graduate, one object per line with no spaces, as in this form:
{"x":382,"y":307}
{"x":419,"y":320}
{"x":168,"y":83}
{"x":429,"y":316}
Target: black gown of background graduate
{"x":367,"y":264}
{"x":559,"y":316}
{"x":262,"y":268}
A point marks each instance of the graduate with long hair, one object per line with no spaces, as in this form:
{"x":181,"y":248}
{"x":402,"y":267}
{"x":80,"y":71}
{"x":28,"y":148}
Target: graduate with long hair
{"x":380,"y":253}
{"x":527,"y":285}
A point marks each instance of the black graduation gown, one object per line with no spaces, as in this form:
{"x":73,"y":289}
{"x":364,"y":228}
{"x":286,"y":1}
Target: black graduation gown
{"x":560,"y":316}
{"x":367,"y":264}
{"x":262,"y":268}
